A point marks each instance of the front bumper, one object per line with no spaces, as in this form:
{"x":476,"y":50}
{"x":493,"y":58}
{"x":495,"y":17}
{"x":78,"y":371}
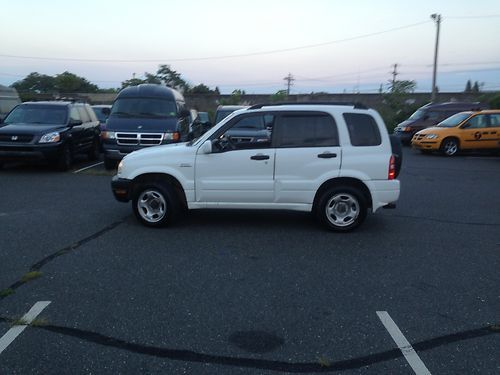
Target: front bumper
{"x":29,"y":152}
{"x":405,"y":137}
{"x":122,"y":189}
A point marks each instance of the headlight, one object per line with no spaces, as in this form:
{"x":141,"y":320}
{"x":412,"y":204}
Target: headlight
{"x":431,"y":136}
{"x":50,"y":138}
{"x":174,"y":136}
{"x":120,"y":166}
{"x":108,"y":135}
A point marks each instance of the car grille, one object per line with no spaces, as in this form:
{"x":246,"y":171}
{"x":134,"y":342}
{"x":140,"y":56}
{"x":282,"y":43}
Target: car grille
{"x":139,"y":139}
{"x":16,"y":138}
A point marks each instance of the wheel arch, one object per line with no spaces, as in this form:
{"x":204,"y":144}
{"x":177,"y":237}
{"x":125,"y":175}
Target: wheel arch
{"x":160,"y":178}
{"x":343,"y":181}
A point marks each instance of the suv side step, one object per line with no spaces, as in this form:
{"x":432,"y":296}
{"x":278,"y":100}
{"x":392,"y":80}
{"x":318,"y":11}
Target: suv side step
{"x":390,"y":206}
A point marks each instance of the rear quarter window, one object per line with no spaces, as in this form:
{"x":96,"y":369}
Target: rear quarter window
{"x":363,"y":129}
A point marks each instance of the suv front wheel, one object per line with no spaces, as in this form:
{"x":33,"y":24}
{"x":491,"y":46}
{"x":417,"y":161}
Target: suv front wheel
{"x":341,"y":208}
{"x":155,"y":205}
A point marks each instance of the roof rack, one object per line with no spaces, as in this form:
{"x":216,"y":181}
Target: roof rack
{"x":356,"y":105}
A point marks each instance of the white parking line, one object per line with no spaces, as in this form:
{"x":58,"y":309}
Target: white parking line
{"x":15,"y":331}
{"x":90,"y":166}
{"x":409,"y":353}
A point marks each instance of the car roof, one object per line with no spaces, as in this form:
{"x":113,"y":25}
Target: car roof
{"x":150,"y":90}
{"x":464,"y":105}
{"x":101,"y":106}
{"x":231,"y":107}
{"x":53,"y":102}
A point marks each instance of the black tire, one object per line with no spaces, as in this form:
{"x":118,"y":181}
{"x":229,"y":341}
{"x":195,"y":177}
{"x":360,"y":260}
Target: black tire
{"x":109,"y":164}
{"x":95,"y":149}
{"x":341,"y":208}
{"x":65,"y":159}
{"x":449,"y":146}
{"x":155,"y":204}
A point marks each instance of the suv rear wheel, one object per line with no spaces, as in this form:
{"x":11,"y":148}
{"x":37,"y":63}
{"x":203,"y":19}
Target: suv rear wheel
{"x":341,"y":208}
{"x":155,"y":204}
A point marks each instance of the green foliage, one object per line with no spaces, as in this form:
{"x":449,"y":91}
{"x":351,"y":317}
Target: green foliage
{"x":494,"y":101}
{"x":71,"y":83}
{"x":279,"y":96}
{"x":35,"y":82}
{"x":65,"y":82}
{"x":234,"y":99}
{"x":396,"y":106}
{"x":468,"y":87}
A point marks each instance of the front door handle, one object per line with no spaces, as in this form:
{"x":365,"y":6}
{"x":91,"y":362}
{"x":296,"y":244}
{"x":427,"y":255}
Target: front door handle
{"x":259,"y":157}
{"x":327,"y":155}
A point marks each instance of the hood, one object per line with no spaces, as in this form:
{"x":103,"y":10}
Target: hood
{"x":406,"y":123}
{"x":435,"y":130}
{"x":159,"y":151}
{"x":141,"y":124}
{"x":30,"y":128}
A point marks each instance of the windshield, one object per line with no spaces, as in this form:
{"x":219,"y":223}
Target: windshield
{"x":454,"y":120}
{"x":143,"y":107}
{"x":417,"y":115}
{"x":38,"y":114}
{"x":100,"y":115}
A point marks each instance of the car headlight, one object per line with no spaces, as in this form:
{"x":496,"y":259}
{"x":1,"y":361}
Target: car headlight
{"x":108,"y":135}
{"x":120,"y":167}
{"x":431,"y":136}
{"x":50,"y":138}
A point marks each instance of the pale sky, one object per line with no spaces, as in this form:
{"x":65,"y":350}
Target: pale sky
{"x":192,"y":36}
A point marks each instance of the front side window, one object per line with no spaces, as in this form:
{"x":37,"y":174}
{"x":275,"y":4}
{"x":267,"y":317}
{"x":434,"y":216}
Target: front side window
{"x":74,"y":115}
{"x":38,"y":114}
{"x":306,"y":130}
{"x":246,"y":132}
{"x":144,"y":107}
{"x":363,"y":129}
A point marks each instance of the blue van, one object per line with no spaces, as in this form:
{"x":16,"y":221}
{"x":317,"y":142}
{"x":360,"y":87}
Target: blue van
{"x":144,"y":116}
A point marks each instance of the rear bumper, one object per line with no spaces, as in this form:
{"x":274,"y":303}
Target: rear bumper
{"x":384,"y":193}
{"x":121,"y":188}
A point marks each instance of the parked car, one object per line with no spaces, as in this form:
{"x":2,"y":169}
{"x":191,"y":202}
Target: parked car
{"x":197,"y":127}
{"x":333,"y":160}
{"x":430,"y":115}
{"x":144,"y":116}
{"x":225,"y":110}
{"x":204,"y":117}
{"x":50,"y":131}
{"x":102,"y":112}
{"x":463,"y":131}
{"x":8,"y":100}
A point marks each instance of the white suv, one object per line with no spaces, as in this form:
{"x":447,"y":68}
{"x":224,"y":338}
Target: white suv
{"x":330,"y":159}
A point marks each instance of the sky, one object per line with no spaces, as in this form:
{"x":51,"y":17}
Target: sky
{"x":327,"y":45}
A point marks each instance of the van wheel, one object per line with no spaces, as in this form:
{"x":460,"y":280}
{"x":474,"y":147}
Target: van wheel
{"x":155,"y":204}
{"x":109,"y":164}
{"x":449,"y":147}
{"x":341,"y":208}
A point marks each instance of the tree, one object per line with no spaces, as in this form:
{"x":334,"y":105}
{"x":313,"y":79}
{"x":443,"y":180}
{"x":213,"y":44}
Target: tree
{"x":475,"y":88}
{"x":200,"y":89}
{"x":35,"y":82}
{"x":395,"y":102}
{"x":468,"y":87}
{"x":279,"y":96}
{"x":172,"y":78}
{"x":71,"y":83}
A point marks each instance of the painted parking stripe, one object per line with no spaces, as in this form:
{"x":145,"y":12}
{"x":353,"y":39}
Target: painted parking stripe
{"x":409,"y":353}
{"x":90,"y":166}
{"x":15,"y":331}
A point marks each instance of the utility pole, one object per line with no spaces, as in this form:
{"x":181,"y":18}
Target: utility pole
{"x":437,"y":19}
{"x":289,"y":82}
{"x":394,"y":75}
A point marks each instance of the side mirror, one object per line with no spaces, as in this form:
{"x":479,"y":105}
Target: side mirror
{"x":106,"y":111}
{"x":75,"y":122}
{"x":206,"y":148}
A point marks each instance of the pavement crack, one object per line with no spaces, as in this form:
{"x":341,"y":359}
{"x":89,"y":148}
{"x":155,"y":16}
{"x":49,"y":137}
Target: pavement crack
{"x":65,"y":250}
{"x":263,"y":364}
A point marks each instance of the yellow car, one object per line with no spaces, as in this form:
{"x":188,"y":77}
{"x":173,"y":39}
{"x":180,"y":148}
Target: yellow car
{"x":463,"y":131}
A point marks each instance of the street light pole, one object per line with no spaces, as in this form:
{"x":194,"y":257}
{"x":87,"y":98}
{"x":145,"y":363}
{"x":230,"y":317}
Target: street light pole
{"x":437,"y":19}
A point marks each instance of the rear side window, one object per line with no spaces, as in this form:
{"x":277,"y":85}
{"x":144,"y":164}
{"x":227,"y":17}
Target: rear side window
{"x":363,"y":129}
{"x":306,"y":130}
{"x":83,"y":114}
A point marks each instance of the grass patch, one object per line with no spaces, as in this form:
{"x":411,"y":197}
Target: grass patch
{"x":31,"y":276}
{"x":6,"y":292}
{"x":19,"y":322}
{"x":39,"y":322}
{"x":324,"y":362}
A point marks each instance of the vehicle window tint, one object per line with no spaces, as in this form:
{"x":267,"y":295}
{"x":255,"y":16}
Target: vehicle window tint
{"x":306,"y":130}
{"x":74,"y":115}
{"x":248,"y":132}
{"x":83,"y":114}
{"x":479,"y":121}
{"x":363,"y":129}
{"x":495,"y":120}
{"x":434,"y":115}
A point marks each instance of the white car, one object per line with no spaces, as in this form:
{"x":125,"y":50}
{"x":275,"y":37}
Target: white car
{"x":333,"y":160}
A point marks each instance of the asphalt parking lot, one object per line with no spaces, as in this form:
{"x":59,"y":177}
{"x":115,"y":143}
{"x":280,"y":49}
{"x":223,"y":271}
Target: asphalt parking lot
{"x":236,"y":292}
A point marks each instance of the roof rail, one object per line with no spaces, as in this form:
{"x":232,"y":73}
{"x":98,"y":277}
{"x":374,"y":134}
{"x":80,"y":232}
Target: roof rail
{"x":356,"y":105}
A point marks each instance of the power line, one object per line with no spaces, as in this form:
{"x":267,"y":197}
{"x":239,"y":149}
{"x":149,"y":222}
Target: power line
{"x":362,"y":36}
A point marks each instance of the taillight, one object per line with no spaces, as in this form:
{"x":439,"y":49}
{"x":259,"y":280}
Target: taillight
{"x":392,"y":168}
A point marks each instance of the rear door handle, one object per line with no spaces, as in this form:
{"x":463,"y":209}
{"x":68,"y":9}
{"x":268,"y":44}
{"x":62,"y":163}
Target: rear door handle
{"x":327,"y":155}
{"x":259,"y":157}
